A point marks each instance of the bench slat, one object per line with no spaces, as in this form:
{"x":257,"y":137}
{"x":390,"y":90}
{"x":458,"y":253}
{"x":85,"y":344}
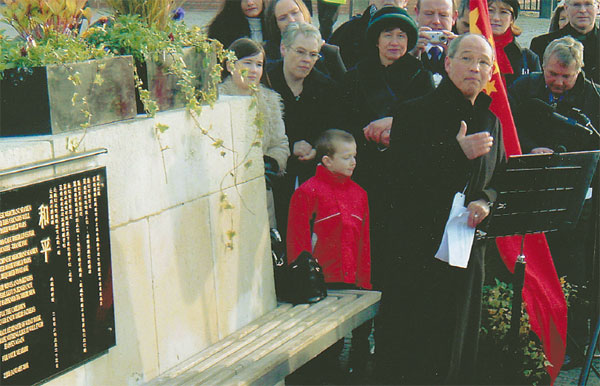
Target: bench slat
{"x":276,"y":344}
{"x":292,"y":355}
{"x":275,"y":338}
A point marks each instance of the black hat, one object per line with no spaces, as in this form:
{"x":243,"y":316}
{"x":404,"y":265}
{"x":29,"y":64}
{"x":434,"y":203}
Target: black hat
{"x":388,"y":17}
{"x":514,"y":4}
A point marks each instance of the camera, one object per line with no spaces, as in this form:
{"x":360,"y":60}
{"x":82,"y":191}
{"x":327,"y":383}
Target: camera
{"x":436,"y":37}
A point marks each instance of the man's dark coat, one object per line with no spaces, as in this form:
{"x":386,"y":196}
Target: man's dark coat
{"x":536,"y":128}
{"x":591,"y":48}
{"x":522,"y":60}
{"x":431,"y":312}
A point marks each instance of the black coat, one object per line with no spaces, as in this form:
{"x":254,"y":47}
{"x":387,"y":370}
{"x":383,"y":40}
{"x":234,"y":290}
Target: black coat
{"x":371,"y":91}
{"x":591,"y":48}
{"x":368,"y":92}
{"x":430,"y":167}
{"x":305,"y":118}
{"x":431,"y":311}
{"x":351,"y":36}
{"x":537,"y":128}
{"x":433,"y":66}
{"x":522,"y":60}
{"x":227,"y":31}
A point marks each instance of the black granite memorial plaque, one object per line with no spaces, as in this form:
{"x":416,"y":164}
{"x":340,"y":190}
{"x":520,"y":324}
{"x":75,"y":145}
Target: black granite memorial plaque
{"x":56,"y":303}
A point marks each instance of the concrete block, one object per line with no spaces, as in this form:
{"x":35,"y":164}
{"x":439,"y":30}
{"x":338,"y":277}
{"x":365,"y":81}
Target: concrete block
{"x":189,"y":151}
{"x":244,"y":275}
{"x":18,"y":152}
{"x":73,"y":377}
{"x":136,"y":354}
{"x":183,"y":282}
{"x":153,"y":179}
{"x":134,"y":168}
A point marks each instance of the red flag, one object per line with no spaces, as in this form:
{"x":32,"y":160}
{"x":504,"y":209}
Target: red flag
{"x":542,"y":293}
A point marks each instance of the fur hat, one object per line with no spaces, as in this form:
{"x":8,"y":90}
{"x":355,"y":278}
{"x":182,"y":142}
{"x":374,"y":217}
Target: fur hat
{"x":392,"y":17}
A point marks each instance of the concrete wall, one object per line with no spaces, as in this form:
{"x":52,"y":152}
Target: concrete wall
{"x":177,"y":287}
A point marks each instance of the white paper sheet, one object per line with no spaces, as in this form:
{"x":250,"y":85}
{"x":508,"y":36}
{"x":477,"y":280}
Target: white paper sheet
{"x":457,"y":240}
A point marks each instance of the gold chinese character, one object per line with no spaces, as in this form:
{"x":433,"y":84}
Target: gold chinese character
{"x":44,"y":214}
{"x":46,"y":247}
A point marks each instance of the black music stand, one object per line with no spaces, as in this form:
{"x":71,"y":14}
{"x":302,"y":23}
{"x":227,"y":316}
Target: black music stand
{"x":538,"y":193}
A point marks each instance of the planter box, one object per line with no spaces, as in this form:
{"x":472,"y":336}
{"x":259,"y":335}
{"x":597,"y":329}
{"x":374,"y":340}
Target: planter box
{"x":163,"y":86}
{"x":49,"y":100}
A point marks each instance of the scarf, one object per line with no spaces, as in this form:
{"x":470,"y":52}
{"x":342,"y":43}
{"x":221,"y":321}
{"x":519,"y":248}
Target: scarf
{"x":502,"y":41}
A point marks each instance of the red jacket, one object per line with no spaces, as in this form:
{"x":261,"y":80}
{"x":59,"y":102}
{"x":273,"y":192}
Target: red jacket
{"x":341,"y":224}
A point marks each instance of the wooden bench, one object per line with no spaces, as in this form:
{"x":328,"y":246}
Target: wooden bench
{"x":276,"y":344}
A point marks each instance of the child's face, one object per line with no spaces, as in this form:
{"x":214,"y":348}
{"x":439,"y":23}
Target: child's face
{"x":343,"y":160}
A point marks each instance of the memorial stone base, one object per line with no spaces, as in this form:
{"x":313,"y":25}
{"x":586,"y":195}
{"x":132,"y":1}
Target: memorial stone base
{"x":177,"y":286}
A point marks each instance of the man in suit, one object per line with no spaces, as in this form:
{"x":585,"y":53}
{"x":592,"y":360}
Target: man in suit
{"x":434,"y":16}
{"x":582,"y":27}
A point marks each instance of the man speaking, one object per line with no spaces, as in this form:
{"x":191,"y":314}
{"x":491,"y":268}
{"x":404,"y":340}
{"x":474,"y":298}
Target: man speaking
{"x":444,"y":143}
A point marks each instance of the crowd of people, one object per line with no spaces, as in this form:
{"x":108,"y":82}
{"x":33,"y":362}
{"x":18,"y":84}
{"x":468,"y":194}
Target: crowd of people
{"x":372,"y":132}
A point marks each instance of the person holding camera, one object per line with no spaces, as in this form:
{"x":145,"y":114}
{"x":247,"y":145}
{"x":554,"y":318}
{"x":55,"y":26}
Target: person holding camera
{"x":557,"y":111}
{"x":435,"y":19}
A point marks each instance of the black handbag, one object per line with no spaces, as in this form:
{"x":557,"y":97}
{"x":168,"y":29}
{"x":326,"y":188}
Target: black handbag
{"x":300,"y":282}
{"x":305,"y":280}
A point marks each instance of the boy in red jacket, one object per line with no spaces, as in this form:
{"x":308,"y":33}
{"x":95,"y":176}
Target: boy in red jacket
{"x":337,"y":211}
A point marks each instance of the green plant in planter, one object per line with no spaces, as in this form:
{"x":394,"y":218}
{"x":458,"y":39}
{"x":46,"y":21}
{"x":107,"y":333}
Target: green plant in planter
{"x":36,"y":19}
{"x":156,"y":13}
{"x":497,"y":313}
{"x":130,"y":35}
{"x":47,"y":66}
{"x":54,"y":48}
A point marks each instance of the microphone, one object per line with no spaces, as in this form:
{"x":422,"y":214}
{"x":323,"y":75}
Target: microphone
{"x":551,"y":111}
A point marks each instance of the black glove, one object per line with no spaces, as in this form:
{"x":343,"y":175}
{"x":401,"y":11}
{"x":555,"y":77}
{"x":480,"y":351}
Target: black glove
{"x":271,"y":170}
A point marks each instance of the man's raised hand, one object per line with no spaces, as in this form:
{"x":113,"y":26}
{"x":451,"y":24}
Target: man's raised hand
{"x":474,"y":145}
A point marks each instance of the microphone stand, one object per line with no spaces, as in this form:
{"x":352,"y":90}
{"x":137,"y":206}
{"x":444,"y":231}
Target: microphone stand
{"x":593,"y":342}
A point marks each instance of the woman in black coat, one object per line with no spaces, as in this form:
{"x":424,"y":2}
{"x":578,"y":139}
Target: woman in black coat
{"x":386,"y":76}
{"x":513,"y":60}
{"x":238,"y":19}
